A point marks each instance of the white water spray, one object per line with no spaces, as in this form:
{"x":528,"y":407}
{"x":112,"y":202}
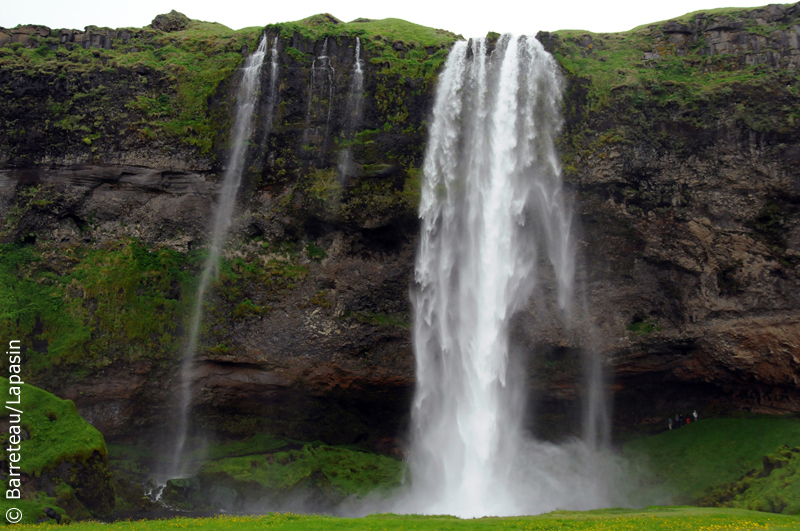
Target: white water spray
{"x":491,"y":203}
{"x":247,"y":98}
{"x":353,"y":112}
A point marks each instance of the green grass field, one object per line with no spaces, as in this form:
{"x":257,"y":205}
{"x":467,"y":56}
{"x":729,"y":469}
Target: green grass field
{"x":655,"y":519}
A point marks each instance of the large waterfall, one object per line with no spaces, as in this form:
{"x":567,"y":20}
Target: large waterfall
{"x":491,"y":209}
{"x":246,"y":100}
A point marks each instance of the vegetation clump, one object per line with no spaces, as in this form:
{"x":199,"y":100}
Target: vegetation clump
{"x":62,"y":456}
{"x":85,"y":307}
{"x":379,"y":319}
{"x":342,"y":471}
{"x":643,"y":327}
{"x":773,"y":487}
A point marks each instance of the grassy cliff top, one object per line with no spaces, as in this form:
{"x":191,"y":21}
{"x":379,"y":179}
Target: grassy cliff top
{"x":398,"y":46}
{"x":384,"y":30}
{"x":698,"y":53}
{"x":170,"y":71}
{"x":169,"y":75}
{"x":737,"y":12}
{"x":136,"y":46}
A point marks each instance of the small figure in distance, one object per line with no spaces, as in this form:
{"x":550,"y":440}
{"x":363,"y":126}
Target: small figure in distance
{"x":694,"y":414}
{"x":670,"y":423}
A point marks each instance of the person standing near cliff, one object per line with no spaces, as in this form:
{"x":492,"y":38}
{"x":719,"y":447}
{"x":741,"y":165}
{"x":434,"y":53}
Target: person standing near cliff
{"x":694,"y":414}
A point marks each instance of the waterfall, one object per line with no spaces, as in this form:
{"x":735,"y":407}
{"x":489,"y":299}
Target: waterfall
{"x":353,"y":112}
{"x":328,"y":68}
{"x":272,"y":93}
{"x":491,"y":206}
{"x":246,"y":99}
{"x":322,"y":73}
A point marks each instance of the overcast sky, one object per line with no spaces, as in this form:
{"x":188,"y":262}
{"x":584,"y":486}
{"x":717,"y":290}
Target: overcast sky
{"x":470,"y":18}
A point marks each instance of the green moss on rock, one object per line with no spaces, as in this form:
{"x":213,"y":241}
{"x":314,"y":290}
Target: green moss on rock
{"x":156,"y":81}
{"x":88,"y":307}
{"x":399,"y":47}
{"x":65,"y":457}
{"x":774,"y":486}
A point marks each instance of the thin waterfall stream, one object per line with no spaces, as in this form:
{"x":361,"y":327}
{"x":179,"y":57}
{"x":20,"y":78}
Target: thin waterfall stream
{"x":322,"y":74}
{"x":353,"y":112}
{"x":246,"y":99}
{"x":272,"y":94}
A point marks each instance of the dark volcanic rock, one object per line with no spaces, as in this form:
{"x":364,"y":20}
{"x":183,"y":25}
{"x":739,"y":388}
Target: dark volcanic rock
{"x":172,"y":21}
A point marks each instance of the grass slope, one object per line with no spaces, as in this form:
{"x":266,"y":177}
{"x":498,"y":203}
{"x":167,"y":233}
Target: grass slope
{"x":653,"y":519}
{"x":775,"y":487}
{"x":262,"y":467}
{"x":689,"y":461}
{"x":58,"y":434}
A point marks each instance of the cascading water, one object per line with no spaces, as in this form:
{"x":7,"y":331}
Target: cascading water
{"x":322,"y":73}
{"x":491,"y":203}
{"x":353,"y":112}
{"x":329,"y":71}
{"x":247,"y":97}
{"x":272,"y":93}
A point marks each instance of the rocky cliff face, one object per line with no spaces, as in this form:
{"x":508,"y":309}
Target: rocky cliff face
{"x":306,"y":333}
{"x":680,"y":146}
{"x":688,"y":187}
